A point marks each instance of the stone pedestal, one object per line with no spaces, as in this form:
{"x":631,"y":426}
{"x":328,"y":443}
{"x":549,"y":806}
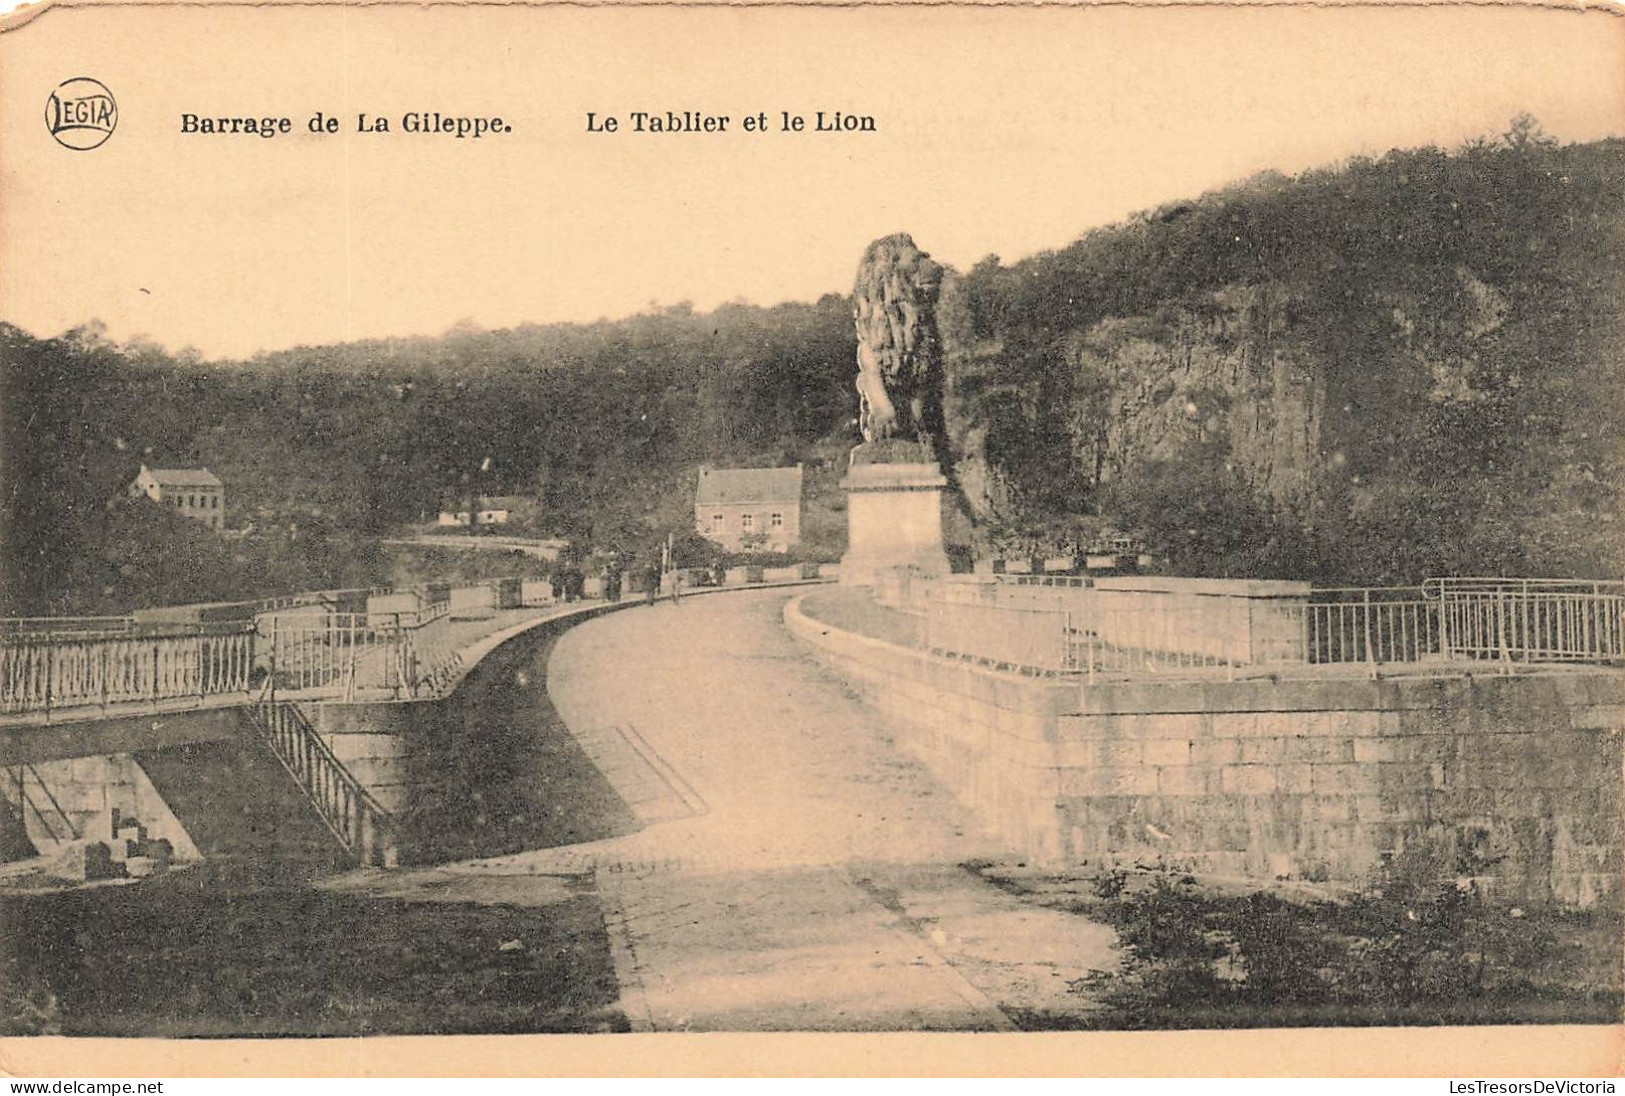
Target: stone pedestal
{"x":894,"y":522}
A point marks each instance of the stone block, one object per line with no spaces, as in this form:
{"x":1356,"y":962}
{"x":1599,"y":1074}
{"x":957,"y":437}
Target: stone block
{"x":1294,"y":779}
{"x":1397,"y":806}
{"x":1073,"y":728}
{"x":1260,"y":751}
{"x":1142,"y":697}
{"x":1372,"y":751}
{"x":1406,"y":776}
{"x":1248,"y":779}
{"x":1223,"y":835}
{"x":1330,"y":809}
{"x":1233,"y":724}
{"x":1179,"y":725}
{"x":1121,"y":754}
{"x":1352,"y":779}
{"x":1324,"y":724}
{"x":1383,"y":837}
{"x":1491,"y":773}
{"x":1427,"y":748}
{"x":1132,"y":780}
{"x":1183,"y":780}
{"x":1317,"y":749}
{"x":1166,"y":751}
{"x":1361,"y":724}
{"x":1216,"y":752}
{"x":1280,"y":724}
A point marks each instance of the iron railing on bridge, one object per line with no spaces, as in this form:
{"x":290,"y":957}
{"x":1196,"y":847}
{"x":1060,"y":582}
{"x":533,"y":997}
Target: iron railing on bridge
{"x":363,"y":827}
{"x":1037,"y":626}
{"x":1370,"y":625}
{"x":1530,"y":620}
{"x":97,"y":664}
{"x":350,"y":654}
{"x":1019,"y":638}
{"x":33,"y":797}
{"x":47,"y":671}
{"x":20,"y":627}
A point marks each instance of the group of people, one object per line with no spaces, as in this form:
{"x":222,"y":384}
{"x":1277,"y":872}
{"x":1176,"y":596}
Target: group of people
{"x":569,"y":582}
{"x":614,"y":575}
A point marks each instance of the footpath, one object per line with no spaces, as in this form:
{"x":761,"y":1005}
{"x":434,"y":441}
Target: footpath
{"x":795,"y":870}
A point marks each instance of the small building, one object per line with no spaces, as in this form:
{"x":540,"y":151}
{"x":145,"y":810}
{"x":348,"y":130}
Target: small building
{"x":495,"y":510}
{"x":196,"y":493}
{"x":742,"y":508}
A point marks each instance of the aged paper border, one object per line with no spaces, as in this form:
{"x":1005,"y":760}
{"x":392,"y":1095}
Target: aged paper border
{"x":1467,"y":1052}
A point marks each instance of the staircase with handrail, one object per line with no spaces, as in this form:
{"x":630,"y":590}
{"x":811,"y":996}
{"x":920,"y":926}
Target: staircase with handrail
{"x":49,"y":827}
{"x":360,"y":824}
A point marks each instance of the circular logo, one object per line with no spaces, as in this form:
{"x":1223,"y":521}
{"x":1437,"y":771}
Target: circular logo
{"x":81,"y":113}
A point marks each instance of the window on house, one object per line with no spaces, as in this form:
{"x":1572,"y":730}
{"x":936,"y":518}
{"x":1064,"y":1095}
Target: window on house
{"x":777,"y":521}
{"x":716,"y":523}
{"x":747,"y":522}
{"x":214,"y":503}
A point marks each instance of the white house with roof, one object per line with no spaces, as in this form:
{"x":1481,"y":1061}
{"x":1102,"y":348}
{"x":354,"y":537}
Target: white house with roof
{"x":749,"y":507}
{"x":196,"y":493}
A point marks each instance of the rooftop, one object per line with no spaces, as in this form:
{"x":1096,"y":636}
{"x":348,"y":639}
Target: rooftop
{"x":744,"y":485}
{"x":183,"y":477}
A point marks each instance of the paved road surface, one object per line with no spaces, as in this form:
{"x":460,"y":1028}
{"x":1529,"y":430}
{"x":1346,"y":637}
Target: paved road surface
{"x":798,"y":870}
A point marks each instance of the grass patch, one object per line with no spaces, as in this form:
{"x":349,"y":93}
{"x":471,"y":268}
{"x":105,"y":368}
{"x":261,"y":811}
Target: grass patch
{"x":1409,"y":951}
{"x":174,"y":957}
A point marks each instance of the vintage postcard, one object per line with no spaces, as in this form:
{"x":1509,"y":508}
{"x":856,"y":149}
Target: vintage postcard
{"x":899,"y":529}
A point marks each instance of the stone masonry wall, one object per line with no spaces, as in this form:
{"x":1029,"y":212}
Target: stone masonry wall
{"x":1514,"y":779}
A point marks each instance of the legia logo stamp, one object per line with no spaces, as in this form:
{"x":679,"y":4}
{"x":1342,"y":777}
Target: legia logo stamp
{"x":81,"y":113}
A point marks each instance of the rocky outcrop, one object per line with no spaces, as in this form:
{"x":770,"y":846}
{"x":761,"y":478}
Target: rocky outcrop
{"x":1228,"y":374}
{"x":1143,"y":388}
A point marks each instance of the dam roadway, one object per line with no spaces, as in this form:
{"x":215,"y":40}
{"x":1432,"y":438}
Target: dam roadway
{"x":793,"y":869}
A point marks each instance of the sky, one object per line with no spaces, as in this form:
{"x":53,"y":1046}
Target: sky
{"x":1003,"y":131}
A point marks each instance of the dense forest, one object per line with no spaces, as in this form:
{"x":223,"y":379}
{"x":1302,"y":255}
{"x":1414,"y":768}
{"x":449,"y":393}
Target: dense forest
{"x":322,"y":449}
{"x":1374,"y":372}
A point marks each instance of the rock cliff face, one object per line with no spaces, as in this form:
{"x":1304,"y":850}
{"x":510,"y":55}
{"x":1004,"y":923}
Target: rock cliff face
{"x":1230,"y":374}
{"x":1231,"y":370}
{"x":1143,"y":388}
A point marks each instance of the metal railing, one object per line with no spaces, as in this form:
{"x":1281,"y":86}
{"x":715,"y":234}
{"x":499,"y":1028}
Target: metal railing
{"x":1142,"y":640}
{"x":48,"y":671}
{"x":49,"y":816}
{"x":47,"y":626}
{"x":348,"y":654}
{"x":53,"y":665}
{"x":1034,"y":626}
{"x":1371,"y":625}
{"x":1020,"y":639}
{"x":363,"y":827}
{"x":1530,"y":620}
